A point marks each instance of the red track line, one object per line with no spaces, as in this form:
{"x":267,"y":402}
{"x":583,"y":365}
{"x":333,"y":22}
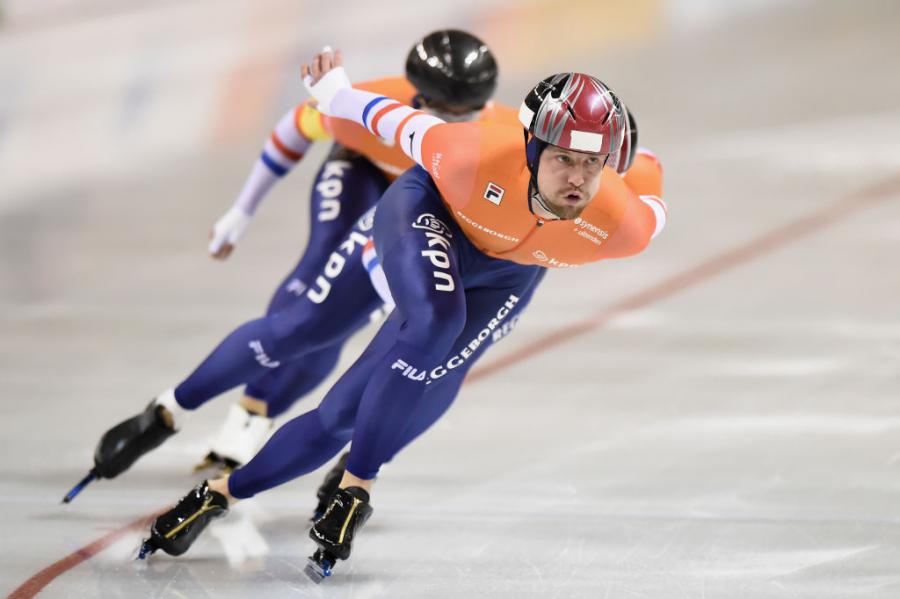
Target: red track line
{"x":766,"y":243}
{"x":755,"y":248}
{"x":36,"y":583}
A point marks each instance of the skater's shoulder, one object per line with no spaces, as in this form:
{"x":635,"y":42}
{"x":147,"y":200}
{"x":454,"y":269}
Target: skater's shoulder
{"x":478,"y":142}
{"x":497,"y":112}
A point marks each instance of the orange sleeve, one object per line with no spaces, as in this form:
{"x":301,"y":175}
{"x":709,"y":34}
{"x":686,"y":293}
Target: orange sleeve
{"x":451,"y":153}
{"x":645,"y":175}
{"x":644,"y":215}
{"x":634,"y":232}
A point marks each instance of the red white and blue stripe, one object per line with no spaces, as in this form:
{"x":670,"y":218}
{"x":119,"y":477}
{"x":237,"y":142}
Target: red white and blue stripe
{"x":386,"y":118}
{"x":369,"y":257}
{"x":286,"y":146}
{"x":376,"y":274}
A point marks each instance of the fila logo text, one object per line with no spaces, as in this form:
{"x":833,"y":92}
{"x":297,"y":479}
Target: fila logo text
{"x":494,"y":193}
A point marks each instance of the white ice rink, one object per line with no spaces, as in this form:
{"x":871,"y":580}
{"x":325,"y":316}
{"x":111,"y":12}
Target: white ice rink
{"x":718,"y":417}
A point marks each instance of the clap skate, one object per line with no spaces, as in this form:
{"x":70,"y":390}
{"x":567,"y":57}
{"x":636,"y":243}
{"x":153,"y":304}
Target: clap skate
{"x":175,"y":531}
{"x":347,"y":511}
{"x":329,"y":485}
{"x":123,"y":444}
{"x":241,"y":436}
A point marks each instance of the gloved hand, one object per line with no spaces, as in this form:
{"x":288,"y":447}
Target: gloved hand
{"x":227,"y":230}
{"x":324,"y":77}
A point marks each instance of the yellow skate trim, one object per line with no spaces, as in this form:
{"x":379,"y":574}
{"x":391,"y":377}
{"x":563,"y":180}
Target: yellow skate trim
{"x":203,"y":509}
{"x":356,"y":503}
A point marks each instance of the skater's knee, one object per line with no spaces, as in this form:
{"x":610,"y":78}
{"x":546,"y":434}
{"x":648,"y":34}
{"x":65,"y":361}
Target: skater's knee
{"x":291,"y":382}
{"x":337,"y":420}
{"x":292,"y":330}
{"x":433,"y":332}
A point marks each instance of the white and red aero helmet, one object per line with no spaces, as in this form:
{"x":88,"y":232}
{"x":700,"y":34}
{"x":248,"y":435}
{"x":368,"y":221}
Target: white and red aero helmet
{"x":577,"y":112}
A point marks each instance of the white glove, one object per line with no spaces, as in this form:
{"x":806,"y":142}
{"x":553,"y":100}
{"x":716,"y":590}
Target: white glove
{"x":229,"y":229}
{"x":327,"y":88}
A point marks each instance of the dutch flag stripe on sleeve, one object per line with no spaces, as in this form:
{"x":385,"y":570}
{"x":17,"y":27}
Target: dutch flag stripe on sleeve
{"x":369,"y":258}
{"x":285,"y":146}
{"x":369,"y":110}
{"x":386,"y":118}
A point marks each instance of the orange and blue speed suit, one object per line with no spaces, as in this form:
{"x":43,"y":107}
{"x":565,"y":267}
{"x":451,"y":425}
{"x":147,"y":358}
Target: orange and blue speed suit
{"x":462,"y":252}
{"x":460,"y":246}
{"x":358,"y":169}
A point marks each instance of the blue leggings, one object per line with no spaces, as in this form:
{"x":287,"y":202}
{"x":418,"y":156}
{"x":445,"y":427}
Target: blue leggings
{"x":345,"y":188}
{"x":453,"y":302}
{"x":337,"y":304}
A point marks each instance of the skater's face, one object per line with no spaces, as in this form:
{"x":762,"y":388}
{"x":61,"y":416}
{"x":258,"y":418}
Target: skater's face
{"x":568,"y":180}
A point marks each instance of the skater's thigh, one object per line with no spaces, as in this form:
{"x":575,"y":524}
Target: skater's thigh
{"x":339,"y":406}
{"x":346,"y":187}
{"x":418,"y":244}
{"x":339,"y":301}
{"x":491,"y":313}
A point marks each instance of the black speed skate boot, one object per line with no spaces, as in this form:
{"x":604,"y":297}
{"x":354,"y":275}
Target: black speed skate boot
{"x":347,"y":511}
{"x":175,"y":531}
{"x":123,"y":444}
{"x":329,"y":486}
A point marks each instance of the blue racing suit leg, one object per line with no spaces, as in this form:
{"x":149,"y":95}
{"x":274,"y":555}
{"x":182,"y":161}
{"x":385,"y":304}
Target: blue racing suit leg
{"x":346,"y":186}
{"x":451,"y":302}
{"x":338,"y":303}
{"x":308,"y":441}
{"x":439,"y":397}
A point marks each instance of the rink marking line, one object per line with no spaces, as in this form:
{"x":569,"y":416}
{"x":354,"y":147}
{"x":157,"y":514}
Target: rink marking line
{"x":39,"y":581}
{"x":759,"y":246}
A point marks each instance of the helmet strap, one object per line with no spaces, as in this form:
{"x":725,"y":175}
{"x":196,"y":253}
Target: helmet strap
{"x":534,"y":147}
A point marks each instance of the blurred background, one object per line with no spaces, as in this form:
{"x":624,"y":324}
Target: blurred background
{"x":724,"y":423}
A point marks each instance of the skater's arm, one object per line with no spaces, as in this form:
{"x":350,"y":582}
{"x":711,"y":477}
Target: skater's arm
{"x":382,"y":116}
{"x":645,"y":212}
{"x":642,"y":220}
{"x":291,"y":138}
{"x":644,"y":177}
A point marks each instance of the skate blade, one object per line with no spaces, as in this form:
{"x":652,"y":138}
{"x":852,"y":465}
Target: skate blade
{"x":146,"y":549}
{"x":318,"y":569}
{"x":78,"y":488}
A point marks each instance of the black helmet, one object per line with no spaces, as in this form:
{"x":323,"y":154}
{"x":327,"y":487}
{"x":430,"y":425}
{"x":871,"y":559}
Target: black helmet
{"x":453,"y":67}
